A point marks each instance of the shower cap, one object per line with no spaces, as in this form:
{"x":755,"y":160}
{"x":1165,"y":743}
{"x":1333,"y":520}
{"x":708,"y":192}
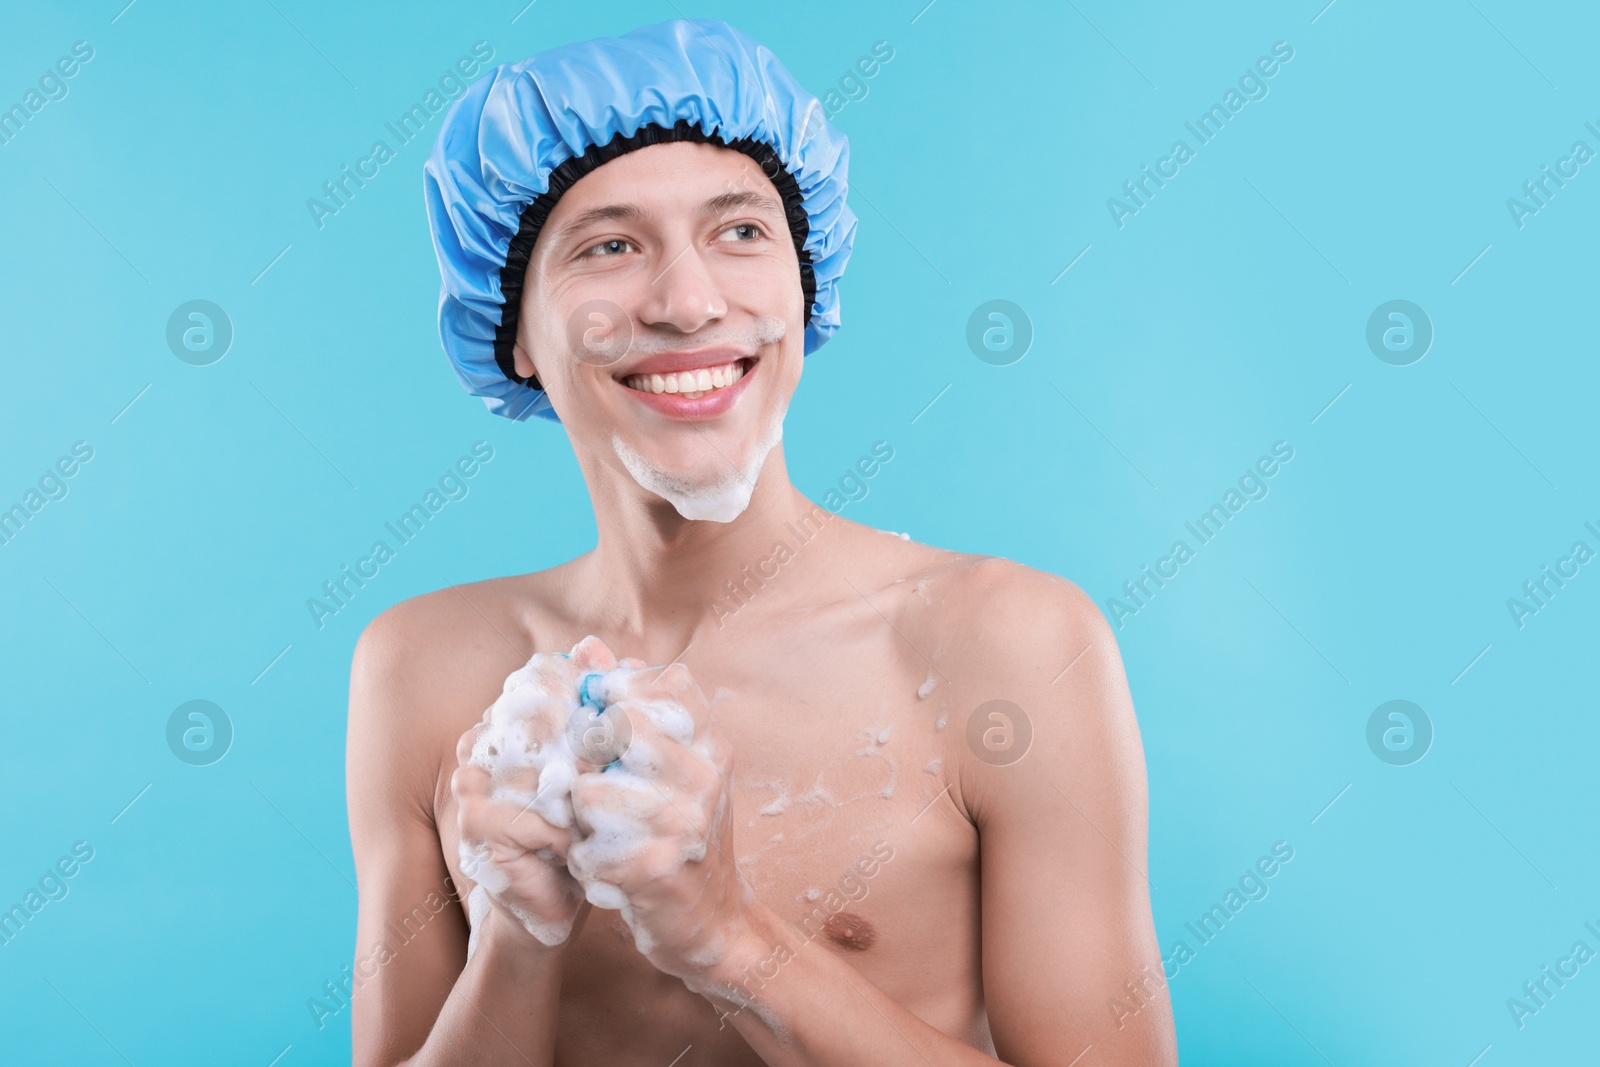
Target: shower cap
{"x":524,"y":133}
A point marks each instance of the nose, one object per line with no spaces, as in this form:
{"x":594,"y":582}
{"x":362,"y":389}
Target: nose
{"x":684,"y":294}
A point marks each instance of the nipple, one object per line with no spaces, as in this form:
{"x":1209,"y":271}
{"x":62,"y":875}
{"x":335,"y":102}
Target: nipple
{"x":850,"y":931}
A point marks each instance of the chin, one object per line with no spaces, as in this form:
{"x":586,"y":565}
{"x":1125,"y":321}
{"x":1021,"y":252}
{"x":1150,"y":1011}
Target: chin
{"x":715,"y":488}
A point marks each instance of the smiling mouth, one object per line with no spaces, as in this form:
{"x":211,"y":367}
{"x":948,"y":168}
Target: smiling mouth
{"x":692,"y":384}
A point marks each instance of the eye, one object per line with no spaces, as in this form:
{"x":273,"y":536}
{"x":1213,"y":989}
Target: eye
{"x":608,"y":244}
{"x":755,"y":232}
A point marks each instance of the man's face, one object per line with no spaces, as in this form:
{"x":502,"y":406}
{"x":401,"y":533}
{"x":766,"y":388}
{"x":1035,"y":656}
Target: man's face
{"x":668,"y":266}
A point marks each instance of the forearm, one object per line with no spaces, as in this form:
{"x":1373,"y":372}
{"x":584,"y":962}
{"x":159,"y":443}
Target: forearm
{"x":799,"y":1005}
{"x":504,"y":1006}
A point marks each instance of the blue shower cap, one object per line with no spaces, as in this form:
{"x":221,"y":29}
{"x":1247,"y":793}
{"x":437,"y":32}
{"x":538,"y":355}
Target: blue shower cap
{"x":523,"y":134}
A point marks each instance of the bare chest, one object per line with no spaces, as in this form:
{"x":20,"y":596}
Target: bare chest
{"x":844,"y":824}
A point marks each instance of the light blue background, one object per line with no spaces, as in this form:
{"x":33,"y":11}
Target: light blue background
{"x":1224,"y":316}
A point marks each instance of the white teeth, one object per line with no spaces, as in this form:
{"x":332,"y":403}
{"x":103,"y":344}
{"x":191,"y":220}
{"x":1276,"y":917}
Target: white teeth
{"x":690,"y":384}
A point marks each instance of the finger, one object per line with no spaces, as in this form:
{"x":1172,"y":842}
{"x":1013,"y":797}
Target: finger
{"x":636,"y":835}
{"x":501,"y":824}
{"x":503,"y":806}
{"x":548,"y":671}
{"x":616,"y":823}
{"x":470,"y":782}
{"x":591,"y":654}
{"x":523,"y":733}
{"x":662,"y":733}
{"x":672,"y":684}
{"x":651,"y":861}
{"x":510,"y":781}
{"x":614,"y":797}
{"x":598,"y":737}
{"x":469,"y":740}
{"x":612,"y":811}
{"x":677,"y":681}
{"x":657,"y":757}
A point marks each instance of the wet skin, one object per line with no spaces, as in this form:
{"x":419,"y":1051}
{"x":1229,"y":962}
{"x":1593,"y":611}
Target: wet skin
{"x":910,"y":900}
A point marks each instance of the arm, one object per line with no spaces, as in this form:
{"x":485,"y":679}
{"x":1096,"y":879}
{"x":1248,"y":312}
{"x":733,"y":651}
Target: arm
{"x":1066,"y":908}
{"x":419,"y":1001}
{"x":1067,"y":924}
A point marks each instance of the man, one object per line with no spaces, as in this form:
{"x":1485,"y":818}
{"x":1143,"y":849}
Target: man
{"x":904,"y":819}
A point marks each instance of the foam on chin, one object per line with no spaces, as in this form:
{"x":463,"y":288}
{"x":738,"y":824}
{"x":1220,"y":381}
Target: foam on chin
{"x":722,"y":499}
{"x":725,"y":497}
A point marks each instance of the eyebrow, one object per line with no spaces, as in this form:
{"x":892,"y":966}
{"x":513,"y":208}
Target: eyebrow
{"x":728,"y":202}
{"x":625,"y":212}
{"x":722,"y":204}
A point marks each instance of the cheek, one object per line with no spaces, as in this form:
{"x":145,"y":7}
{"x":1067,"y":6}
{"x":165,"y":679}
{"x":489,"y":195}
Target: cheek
{"x":766,"y":284}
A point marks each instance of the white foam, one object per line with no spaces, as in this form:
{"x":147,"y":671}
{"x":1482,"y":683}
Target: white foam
{"x":938,"y":723}
{"x":733,"y":994}
{"x":820,"y":794}
{"x":932,"y":766}
{"x":477,"y":863}
{"x":726,"y":495}
{"x":605,"y":895}
{"x":478,"y":905}
{"x":533,"y":727}
{"x":721,"y":499}
{"x":530,"y":729}
{"x":548,"y":933}
{"x":760,"y":331}
{"x":927,"y":686}
{"x":709,"y":954}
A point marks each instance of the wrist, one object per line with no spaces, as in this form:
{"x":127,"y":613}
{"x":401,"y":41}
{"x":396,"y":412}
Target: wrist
{"x":752,"y":951}
{"x":505,"y":934}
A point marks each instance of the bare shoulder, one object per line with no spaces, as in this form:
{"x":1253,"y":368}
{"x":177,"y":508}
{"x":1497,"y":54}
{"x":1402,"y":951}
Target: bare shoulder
{"x":1001,"y":626}
{"x":1010,"y":616}
{"x":419,"y":635}
{"x":1035,"y":649}
{"x":1023,"y":614}
{"x":425,"y":669}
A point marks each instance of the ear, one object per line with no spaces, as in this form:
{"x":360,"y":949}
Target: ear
{"x":521,"y":360}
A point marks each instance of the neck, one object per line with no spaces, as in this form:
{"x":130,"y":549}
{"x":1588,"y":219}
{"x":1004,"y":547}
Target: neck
{"x":663,"y":579}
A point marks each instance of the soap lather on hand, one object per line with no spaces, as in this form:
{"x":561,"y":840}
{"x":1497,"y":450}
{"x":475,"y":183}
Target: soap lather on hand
{"x":558,"y":716}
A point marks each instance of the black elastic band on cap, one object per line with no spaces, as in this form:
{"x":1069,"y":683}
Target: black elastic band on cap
{"x":515,"y":271}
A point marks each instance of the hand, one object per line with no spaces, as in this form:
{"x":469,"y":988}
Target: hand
{"x":653,"y":838}
{"x":513,"y":807}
